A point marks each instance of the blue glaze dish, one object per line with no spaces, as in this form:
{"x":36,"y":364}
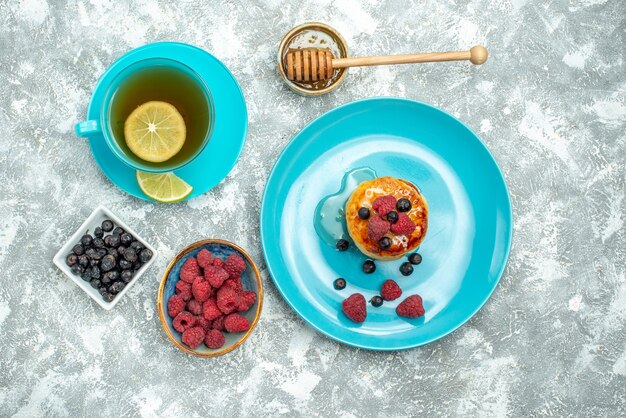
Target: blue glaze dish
{"x":230,"y":119}
{"x":469,"y":233}
{"x":250,"y":279}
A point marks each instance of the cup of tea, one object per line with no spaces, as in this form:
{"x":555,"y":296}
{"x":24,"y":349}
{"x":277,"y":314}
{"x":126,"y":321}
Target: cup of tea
{"x":168,"y":83}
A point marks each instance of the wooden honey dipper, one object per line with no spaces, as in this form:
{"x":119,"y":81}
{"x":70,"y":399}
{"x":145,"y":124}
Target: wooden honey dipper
{"x":313,"y":64}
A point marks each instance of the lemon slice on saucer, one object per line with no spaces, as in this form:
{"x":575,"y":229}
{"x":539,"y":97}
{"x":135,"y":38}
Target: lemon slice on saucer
{"x":155,"y":131}
{"x":163,"y":187}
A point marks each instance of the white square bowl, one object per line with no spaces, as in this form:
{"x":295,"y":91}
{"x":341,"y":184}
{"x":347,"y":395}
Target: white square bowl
{"x":95,"y":219}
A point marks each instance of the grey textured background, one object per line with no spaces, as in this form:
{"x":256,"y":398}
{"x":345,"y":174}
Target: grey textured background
{"x":550,"y":104}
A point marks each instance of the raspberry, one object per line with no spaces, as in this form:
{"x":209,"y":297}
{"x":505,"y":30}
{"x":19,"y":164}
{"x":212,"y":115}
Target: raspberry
{"x":201,"y":289}
{"x":384,"y":204}
{"x":199,"y":321}
{"x":193,"y":337}
{"x":214,"y":339}
{"x":194,"y":307}
{"x":354,"y":307}
{"x":227,"y":300}
{"x":175,"y":305}
{"x":218,"y":262}
{"x":390,"y":290}
{"x":218,"y":323}
{"x":182,"y":321}
{"x":411,"y":307}
{"x":404,"y":226}
{"x":234,"y":283}
{"x":183,"y":289}
{"x":210,"y":311}
{"x":377,"y":227}
{"x":236,"y":323}
{"x":246,"y":300}
{"x":215,"y":276}
{"x":190,"y":270}
{"x":205,"y":258}
{"x":234,"y":265}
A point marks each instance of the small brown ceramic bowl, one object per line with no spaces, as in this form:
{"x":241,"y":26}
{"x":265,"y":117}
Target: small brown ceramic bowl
{"x":313,"y":35}
{"x":250,"y":278}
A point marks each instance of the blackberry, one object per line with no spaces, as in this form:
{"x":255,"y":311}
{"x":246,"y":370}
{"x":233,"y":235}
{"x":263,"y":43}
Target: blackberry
{"x":107,"y":225}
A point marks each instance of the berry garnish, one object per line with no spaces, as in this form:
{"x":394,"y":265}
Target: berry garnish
{"x":369,"y":267}
{"x":390,"y":290}
{"x":126,"y":238}
{"x":384,"y":243}
{"x":377,"y":227}
{"x":392,"y":216}
{"x":71,"y":259}
{"x":406,"y":269}
{"x":339,"y":284}
{"x":78,"y":249}
{"x":86,"y":240}
{"x":415,"y":258}
{"x":107,"y":225}
{"x":403,"y":205}
{"x":376,"y":301}
{"x":355,"y":308}
{"x":342,"y":244}
{"x":98,"y":233}
{"x":384,"y":204}
{"x":411,"y":307}
{"x":364,"y":213}
{"x":404,"y":225}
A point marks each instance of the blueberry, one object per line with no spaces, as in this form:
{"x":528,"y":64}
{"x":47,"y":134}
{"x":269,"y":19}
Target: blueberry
{"x":130,"y":255}
{"x":392,"y":216}
{"x":95,"y":272}
{"x":406,"y":269}
{"x":107,"y":263}
{"x":369,"y":267}
{"x":376,"y":301}
{"x":91,"y":253}
{"x":137,"y":265}
{"x":145,"y":255}
{"x":77,"y":269}
{"x":415,"y":258}
{"x":403,"y":205}
{"x":117,"y":287}
{"x":86,"y":240}
{"x":98,"y":233}
{"x":112,"y":240}
{"x":125,"y":264}
{"x":107,"y":225}
{"x":111,"y":276}
{"x":106,"y":280}
{"x":71,"y":259}
{"x":113,"y":252}
{"x":93,"y":262}
{"x":364,"y":213}
{"x":126,"y":238}
{"x":83,"y":260}
{"x":108,"y":296}
{"x":384,"y":243}
{"x":121,"y":249}
{"x":102,"y":290}
{"x":98,"y":243}
{"x":118,"y":231}
{"x":339,"y":284}
{"x":78,"y":249}
{"x":126,"y":276}
{"x":137,"y":246}
{"x":95,"y":283}
{"x":86,"y":276}
{"x":342,"y":244}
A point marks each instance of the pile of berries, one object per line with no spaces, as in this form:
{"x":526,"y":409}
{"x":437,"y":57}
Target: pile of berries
{"x":209,"y":299}
{"x":355,"y":306}
{"x":389,"y":216}
{"x":108,"y":259}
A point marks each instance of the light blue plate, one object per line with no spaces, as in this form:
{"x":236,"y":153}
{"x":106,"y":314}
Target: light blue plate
{"x":229,"y":133}
{"x":470,"y":223}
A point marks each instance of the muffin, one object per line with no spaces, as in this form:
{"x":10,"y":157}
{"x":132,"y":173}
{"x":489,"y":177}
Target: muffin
{"x":387,"y":218}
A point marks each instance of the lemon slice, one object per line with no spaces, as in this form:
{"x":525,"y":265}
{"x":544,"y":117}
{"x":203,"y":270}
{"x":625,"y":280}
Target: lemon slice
{"x":155,"y":131}
{"x":164,"y":188}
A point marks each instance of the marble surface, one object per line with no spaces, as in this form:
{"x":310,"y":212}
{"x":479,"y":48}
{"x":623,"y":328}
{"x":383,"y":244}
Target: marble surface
{"x":550,"y":104}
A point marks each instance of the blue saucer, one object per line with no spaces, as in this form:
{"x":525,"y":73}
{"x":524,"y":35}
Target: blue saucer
{"x":231,"y":120}
{"x":470,"y":221}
